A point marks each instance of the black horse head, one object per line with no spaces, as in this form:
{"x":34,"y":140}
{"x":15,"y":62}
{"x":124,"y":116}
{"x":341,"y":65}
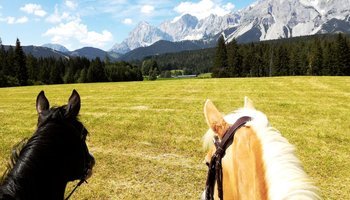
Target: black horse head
{"x":54,"y":155}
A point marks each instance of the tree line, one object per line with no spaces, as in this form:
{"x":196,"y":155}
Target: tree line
{"x":319,"y":55}
{"x":18,"y":69}
{"x":310,"y":55}
{"x":190,"y":62}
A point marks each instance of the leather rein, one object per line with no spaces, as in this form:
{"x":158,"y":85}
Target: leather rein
{"x":85,"y":170}
{"x":215,"y":167}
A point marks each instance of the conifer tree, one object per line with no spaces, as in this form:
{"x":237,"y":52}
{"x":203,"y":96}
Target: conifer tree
{"x":220,"y":62}
{"x":69,"y":76}
{"x":20,"y":64}
{"x":342,"y":55}
{"x":329,"y":59}
{"x":83,"y":76}
{"x":2,"y":55}
{"x":234,"y":59}
{"x":55,"y":74}
{"x":316,"y":58}
{"x":33,"y":68}
{"x":8,"y":67}
{"x":44,"y":72}
{"x":96,"y":71}
{"x":282,"y":61}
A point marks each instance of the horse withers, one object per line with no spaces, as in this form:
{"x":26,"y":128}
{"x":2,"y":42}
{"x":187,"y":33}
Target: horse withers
{"x":41,"y":167}
{"x":248,"y":159}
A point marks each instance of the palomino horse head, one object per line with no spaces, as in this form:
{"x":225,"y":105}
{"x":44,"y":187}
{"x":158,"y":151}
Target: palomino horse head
{"x":248,"y":159}
{"x":54,"y":155}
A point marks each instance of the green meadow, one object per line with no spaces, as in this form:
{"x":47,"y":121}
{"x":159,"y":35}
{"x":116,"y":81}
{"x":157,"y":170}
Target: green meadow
{"x":147,"y":136}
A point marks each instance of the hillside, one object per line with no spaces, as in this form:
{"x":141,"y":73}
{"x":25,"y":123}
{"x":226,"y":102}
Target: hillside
{"x":163,"y":47}
{"x":286,"y":54}
{"x":38,"y":51}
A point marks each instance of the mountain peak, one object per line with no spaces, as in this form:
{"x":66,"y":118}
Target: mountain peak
{"x":262,"y":20}
{"x":188,"y":17}
{"x":56,"y":47}
{"x":142,"y":35}
{"x":143,"y":23}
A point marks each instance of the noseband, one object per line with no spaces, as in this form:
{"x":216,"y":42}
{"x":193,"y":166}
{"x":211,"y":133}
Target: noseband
{"x":215,"y":167}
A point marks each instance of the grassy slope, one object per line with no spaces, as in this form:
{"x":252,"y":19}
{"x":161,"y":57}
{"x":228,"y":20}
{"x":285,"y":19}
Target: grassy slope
{"x":146,"y":136}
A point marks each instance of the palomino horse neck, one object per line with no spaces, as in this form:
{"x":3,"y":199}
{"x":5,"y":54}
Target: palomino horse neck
{"x":260,"y":163}
{"x":243,"y":168}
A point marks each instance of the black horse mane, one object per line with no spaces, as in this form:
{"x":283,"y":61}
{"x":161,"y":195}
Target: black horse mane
{"x":13,"y":158}
{"x":55,"y":113}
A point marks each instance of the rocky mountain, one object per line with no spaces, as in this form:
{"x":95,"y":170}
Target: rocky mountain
{"x":143,"y":35}
{"x":89,"y":53}
{"x":39,"y":51}
{"x":46,"y":52}
{"x":186,"y":27}
{"x":180,"y":28}
{"x":163,"y":46}
{"x":56,"y":47}
{"x":263,"y":20}
{"x":274,"y":19}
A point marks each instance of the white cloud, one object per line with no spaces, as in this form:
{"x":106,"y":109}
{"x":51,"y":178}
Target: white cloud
{"x":97,"y":39}
{"x":71,"y":4}
{"x":229,"y":6}
{"x":127,"y":21}
{"x":34,"y":9}
{"x":203,"y":8}
{"x":57,"y":17}
{"x":22,"y":20}
{"x":9,"y":20}
{"x":14,"y":20}
{"x":74,"y":30}
{"x":147,"y":9}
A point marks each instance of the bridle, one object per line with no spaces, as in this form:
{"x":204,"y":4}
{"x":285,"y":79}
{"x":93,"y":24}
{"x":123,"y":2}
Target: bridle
{"x":71,"y":193}
{"x":215,"y":167}
{"x":85,"y":170}
{"x":61,"y":115}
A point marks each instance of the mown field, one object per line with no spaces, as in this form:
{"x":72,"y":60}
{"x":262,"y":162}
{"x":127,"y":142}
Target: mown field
{"x":146,"y":136}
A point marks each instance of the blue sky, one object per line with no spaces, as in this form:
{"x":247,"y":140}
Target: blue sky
{"x":98,"y":23}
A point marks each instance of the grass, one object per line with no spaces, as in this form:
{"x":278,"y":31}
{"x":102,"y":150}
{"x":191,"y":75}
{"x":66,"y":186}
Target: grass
{"x":146,"y":136}
{"x":205,"y":75}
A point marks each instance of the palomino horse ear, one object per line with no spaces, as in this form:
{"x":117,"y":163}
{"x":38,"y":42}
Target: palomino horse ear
{"x":248,"y":103}
{"x":215,"y":119}
{"x":42,"y":103}
{"x":73,"y":105}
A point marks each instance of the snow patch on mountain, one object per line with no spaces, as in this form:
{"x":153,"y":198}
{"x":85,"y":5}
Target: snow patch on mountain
{"x":289,"y":18}
{"x":143,"y":35}
{"x":187,"y":27}
{"x":56,"y":47}
{"x":262,"y":20}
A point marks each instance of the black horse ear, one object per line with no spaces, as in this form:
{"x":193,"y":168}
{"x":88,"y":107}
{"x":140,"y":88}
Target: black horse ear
{"x":42,"y":103}
{"x":73,"y":105}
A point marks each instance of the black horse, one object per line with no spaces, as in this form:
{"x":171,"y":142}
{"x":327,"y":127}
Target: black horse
{"x":53,"y":156}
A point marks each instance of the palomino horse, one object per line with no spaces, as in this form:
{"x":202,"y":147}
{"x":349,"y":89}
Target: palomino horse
{"x":250,"y":159}
{"x":55,"y":154}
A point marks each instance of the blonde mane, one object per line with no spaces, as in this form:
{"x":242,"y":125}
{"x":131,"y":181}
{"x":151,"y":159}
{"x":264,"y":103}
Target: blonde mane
{"x":285,"y":176}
